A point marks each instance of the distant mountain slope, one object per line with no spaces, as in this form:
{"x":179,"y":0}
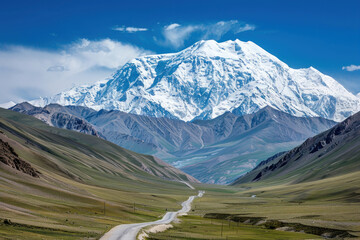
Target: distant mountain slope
{"x":216,"y":150}
{"x":250,"y":139}
{"x":61,"y":119}
{"x":139,"y":133}
{"x":208,"y":79}
{"x":331,"y":153}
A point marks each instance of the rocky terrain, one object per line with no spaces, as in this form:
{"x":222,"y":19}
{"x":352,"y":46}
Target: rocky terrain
{"x":9,"y":157}
{"x":57,"y":119}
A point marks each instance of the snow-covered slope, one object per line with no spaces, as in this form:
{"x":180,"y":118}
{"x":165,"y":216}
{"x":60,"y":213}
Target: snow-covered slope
{"x":209,"y":78}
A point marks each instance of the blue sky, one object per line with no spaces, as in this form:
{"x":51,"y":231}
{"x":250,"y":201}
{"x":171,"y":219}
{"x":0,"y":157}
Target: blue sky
{"x":48,"y":46}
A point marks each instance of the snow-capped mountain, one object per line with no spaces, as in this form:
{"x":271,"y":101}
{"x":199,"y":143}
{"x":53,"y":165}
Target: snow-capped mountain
{"x":208,"y":79}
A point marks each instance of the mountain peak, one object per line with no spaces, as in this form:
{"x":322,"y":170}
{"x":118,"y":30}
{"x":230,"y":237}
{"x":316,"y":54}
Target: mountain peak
{"x":232,"y":49}
{"x":23,"y":106}
{"x":208,"y":79}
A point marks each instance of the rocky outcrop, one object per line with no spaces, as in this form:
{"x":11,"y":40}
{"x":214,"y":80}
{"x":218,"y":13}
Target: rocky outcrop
{"x":9,"y":157}
{"x":67,"y":121}
{"x":57,"y":116}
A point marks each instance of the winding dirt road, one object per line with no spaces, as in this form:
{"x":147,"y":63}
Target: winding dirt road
{"x":130,"y":231}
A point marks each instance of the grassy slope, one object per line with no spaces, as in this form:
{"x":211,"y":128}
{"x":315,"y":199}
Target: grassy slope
{"x":195,"y":227}
{"x":79,"y":173}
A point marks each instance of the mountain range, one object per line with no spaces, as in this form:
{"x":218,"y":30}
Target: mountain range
{"x":213,"y":151}
{"x":208,"y":79}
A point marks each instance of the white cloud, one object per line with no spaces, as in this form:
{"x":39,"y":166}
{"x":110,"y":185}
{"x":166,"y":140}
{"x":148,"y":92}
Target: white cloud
{"x":28,"y":73}
{"x":130,"y":29}
{"x":175,"y":34}
{"x":172,"y":26}
{"x":247,"y":27}
{"x":351,"y":68}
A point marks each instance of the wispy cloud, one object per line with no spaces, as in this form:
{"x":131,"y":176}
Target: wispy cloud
{"x":130,"y":29}
{"x":221,"y":28}
{"x":176,"y":34}
{"x":351,"y":68}
{"x":30,"y":73}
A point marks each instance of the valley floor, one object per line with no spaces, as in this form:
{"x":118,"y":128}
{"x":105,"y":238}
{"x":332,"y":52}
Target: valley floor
{"x":44,"y":212}
{"x":316,"y":208}
{"x":61,"y":216}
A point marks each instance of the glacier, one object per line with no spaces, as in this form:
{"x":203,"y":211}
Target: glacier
{"x":208,"y":79}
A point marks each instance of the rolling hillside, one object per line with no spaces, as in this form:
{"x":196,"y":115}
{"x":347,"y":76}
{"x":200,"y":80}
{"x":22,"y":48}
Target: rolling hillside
{"x":58,"y":183}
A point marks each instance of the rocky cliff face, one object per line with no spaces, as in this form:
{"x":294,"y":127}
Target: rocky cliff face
{"x":63,"y":120}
